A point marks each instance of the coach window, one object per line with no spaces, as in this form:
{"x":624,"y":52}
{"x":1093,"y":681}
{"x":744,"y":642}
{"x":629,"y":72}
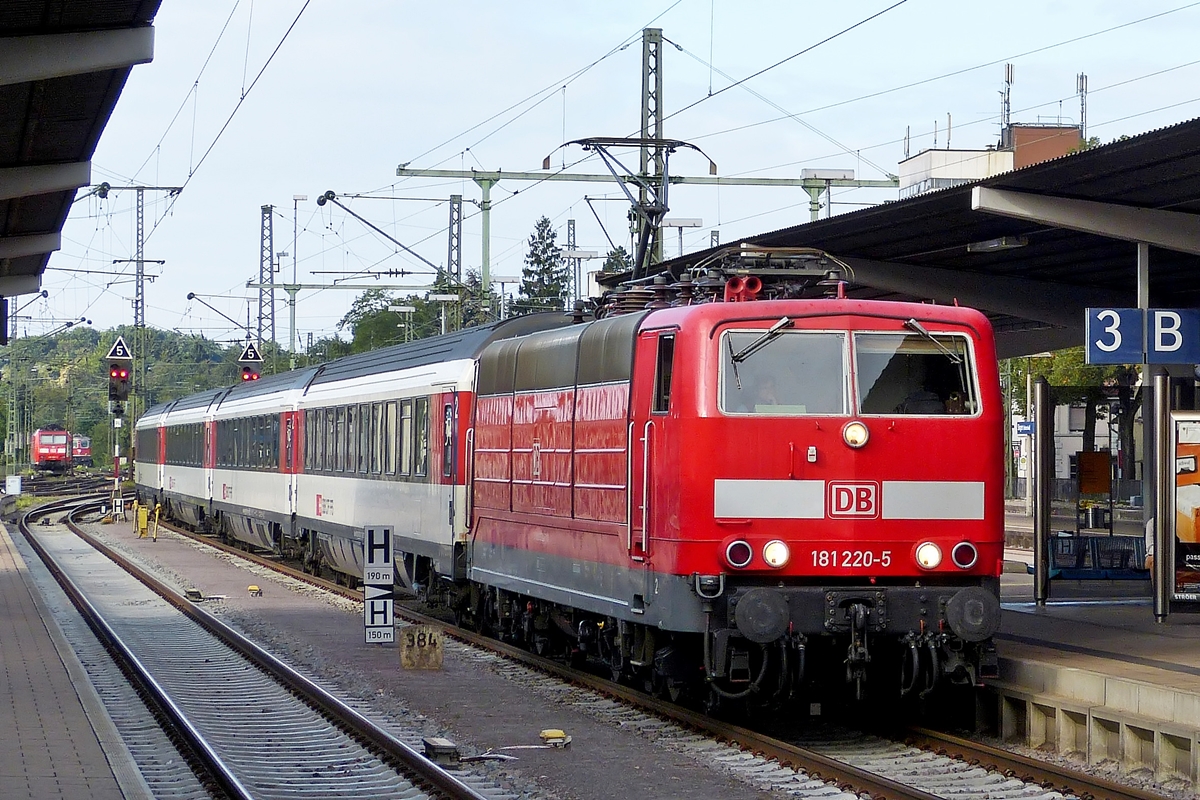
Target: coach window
{"x":260,"y":442}
{"x":308,"y":442}
{"x":421,"y":436}
{"x":364,"y":438}
{"x":662,"y":378}
{"x":339,"y":439}
{"x":235,"y":442}
{"x":406,"y":413}
{"x":353,"y":424}
{"x":389,"y":437}
{"x":376,"y":438}
{"x":275,"y":441}
{"x":319,"y":439}
{"x":249,"y":424}
{"x":447,"y":440}
{"x":314,"y":437}
{"x":330,"y":441}
{"x":247,"y":441}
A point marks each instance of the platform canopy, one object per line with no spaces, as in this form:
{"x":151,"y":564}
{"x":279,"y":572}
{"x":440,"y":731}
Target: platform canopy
{"x":63,"y":64}
{"x":1033,"y":247}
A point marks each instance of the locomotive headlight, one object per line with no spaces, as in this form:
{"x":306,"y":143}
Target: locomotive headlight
{"x":776,"y":553}
{"x":739,"y":554}
{"x":929,"y":555}
{"x":964,"y":555}
{"x":855,"y":434}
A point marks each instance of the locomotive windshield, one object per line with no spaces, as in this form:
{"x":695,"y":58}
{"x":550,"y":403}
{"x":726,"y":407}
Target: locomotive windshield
{"x":914,"y":374}
{"x":795,"y":372}
{"x":805,"y":373}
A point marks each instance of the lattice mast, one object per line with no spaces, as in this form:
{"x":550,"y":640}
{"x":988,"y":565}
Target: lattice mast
{"x":266,"y":278}
{"x":651,"y":160}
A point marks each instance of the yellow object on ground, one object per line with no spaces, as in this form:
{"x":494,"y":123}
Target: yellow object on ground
{"x":142,"y":517}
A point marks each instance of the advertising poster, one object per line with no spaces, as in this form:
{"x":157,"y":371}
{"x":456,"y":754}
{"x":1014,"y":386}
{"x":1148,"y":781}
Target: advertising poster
{"x":1187,"y":510}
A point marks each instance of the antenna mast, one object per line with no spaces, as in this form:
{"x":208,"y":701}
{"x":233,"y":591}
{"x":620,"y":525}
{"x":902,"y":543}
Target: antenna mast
{"x":1081,"y":90}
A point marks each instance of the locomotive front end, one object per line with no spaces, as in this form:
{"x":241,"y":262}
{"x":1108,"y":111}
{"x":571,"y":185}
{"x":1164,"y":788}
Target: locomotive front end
{"x":857,"y":509}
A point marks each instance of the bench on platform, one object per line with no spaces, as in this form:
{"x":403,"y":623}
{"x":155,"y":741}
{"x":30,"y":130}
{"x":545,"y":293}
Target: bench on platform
{"x":1082,"y":556}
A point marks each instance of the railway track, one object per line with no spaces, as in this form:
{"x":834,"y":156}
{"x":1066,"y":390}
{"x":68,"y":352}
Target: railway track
{"x":909,"y":764}
{"x":252,"y":726}
{"x":45,"y":486}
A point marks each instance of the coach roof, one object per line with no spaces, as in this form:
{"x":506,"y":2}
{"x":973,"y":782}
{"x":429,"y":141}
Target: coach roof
{"x":466,"y":343}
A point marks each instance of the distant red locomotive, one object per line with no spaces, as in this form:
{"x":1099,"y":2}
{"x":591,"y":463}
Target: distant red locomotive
{"x":81,"y":450}
{"x":50,"y":449}
{"x":719,"y":485}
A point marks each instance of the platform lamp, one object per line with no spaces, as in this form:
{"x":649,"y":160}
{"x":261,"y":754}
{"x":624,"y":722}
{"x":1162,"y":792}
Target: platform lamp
{"x":443,"y":299}
{"x":504,"y":280}
{"x":681,"y":223}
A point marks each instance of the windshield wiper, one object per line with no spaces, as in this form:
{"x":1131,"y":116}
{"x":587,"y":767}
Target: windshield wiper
{"x":913,"y":325}
{"x":761,"y":342}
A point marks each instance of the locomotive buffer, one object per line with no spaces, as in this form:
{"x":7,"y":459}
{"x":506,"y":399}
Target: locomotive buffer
{"x":378,"y":609}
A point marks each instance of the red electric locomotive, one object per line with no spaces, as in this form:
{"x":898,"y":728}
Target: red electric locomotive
{"x":757,"y":496}
{"x":50,"y":449}
{"x":81,"y":450}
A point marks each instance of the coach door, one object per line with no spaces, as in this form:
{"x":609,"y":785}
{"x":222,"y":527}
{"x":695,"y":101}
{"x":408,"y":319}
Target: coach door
{"x":650,"y":441}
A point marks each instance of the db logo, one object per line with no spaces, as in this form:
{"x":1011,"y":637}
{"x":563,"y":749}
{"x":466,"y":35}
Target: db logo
{"x":853,"y":499}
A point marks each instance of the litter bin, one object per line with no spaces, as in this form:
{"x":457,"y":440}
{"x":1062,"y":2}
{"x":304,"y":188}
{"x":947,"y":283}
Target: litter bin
{"x":1097,"y":517}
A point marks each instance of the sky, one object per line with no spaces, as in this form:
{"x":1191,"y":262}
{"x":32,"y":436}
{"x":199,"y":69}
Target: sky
{"x":255,"y":102}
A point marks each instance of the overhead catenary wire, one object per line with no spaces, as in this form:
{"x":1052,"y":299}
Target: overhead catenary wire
{"x":548,"y":91}
{"x":246,"y":93}
{"x":957,"y":72}
{"x":783,"y":61}
{"x":365,"y":250}
{"x":190,"y":94}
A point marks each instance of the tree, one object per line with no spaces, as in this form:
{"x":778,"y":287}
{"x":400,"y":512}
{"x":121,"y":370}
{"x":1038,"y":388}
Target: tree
{"x":545,"y":279}
{"x":478,"y":308}
{"x":618,"y":261}
{"x":1102,"y":390}
{"x":371,"y":323}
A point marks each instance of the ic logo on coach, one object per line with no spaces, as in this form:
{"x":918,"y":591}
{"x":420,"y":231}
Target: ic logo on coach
{"x":853,"y":499}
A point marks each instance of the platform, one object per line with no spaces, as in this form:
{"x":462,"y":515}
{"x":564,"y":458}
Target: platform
{"x":1095,"y":677}
{"x":56,"y":739}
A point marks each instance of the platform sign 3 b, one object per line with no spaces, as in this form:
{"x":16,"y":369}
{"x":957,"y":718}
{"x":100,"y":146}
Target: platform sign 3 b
{"x":1118,"y":336}
{"x":378,"y":570}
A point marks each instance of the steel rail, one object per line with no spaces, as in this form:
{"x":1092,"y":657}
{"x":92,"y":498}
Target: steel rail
{"x":813,"y":764}
{"x":216,"y":769}
{"x":1024,"y":768}
{"x":351,"y":721}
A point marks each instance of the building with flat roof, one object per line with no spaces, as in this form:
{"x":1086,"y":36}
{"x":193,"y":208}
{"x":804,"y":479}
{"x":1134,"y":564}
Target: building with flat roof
{"x":1020,"y":146}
